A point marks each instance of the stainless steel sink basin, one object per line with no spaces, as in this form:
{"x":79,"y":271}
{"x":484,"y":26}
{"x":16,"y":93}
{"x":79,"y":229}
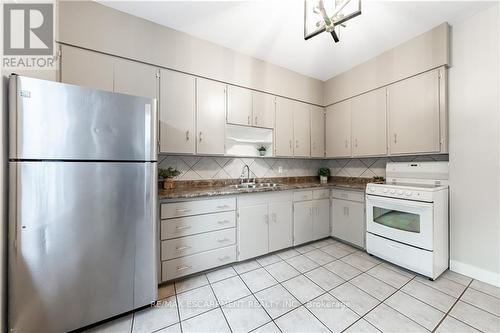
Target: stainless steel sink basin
{"x":244,"y":186}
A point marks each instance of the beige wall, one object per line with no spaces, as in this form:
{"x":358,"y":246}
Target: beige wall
{"x":475,"y":147}
{"x":90,"y":25}
{"x":419,"y":54}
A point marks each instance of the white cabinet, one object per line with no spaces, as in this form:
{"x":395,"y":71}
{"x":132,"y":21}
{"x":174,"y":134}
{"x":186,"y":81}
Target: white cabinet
{"x":263,"y":106}
{"x":210,"y":116}
{"x":177,"y":113}
{"x":253,"y":231}
{"x":239,"y":106}
{"x":414,"y":114}
{"x":369,"y":124}
{"x":338,"y":130}
{"x":134,"y":78}
{"x":301,"y":130}
{"x":280,"y":226}
{"x":348,"y":217}
{"x":311,"y":218}
{"x":284,"y":127}
{"x":302,"y":222}
{"x":317,"y":131}
{"x":321,"y":218}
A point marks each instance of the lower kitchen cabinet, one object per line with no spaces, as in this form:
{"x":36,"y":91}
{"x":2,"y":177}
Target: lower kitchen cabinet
{"x":302,"y":222}
{"x":321,"y":218}
{"x":280,"y":225}
{"x":311,"y":218}
{"x":253,"y":231}
{"x":348,"y":216}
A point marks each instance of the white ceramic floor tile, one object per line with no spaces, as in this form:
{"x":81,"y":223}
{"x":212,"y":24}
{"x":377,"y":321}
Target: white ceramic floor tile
{"x":398,"y":269}
{"x":276,"y":300}
{"x":342,"y":269}
{"x":191,"y":283}
{"x":475,"y":317}
{"x":302,"y":263}
{"x":346,"y":247}
{"x":388,"y":320}
{"x":196,"y":301}
{"x":442,"y":284}
{"x":258,"y":279}
{"x":320,"y":257}
{"x":368,"y":257}
{"x":151,"y":319}
{"x":175,"y":328}
{"x":305,"y":248}
{"x":300,"y":320}
{"x":302,"y":288}
{"x":481,"y":300}
{"x":335,"y":251}
{"x":322,"y":243}
{"x":362,"y":326}
{"x":220,"y":274}
{"x":210,"y":322}
{"x":388,"y":276}
{"x":372,"y":286}
{"x":123,"y":324}
{"x":486,"y":288}
{"x":245,"y":315}
{"x":267,"y":328}
{"x":355,"y":298}
{"x":429,"y":295}
{"x":166,"y":291}
{"x":359,"y":262}
{"x":332,"y":313}
{"x":246,"y":266}
{"x":287,"y":254}
{"x":268,"y":259}
{"x":282,"y":271}
{"x":456,"y":277}
{"x":324,"y":278}
{"x":451,"y":325}
{"x":230,"y":290}
{"x":423,"y":314}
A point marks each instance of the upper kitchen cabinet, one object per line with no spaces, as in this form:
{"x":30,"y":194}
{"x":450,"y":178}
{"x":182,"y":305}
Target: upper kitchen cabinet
{"x":210,"y":116}
{"x":263,"y":107}
{"x":414,"y":114}
{"x":86,"y":68}
{"x":284,"y":127}
{"x":368,"y":119}
{"x":338,"y":129}
{"x":317,"y":131}
{"x":134,"y":78}
{"x":177,"y":113}
{"x":239,"y":106}
{"x":301,"y":130}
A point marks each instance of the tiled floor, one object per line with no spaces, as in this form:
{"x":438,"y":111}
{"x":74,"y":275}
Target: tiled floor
{"x":325,"y":286}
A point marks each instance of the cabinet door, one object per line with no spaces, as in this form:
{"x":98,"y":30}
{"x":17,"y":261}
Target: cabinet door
{"x":302,"y":222}
{"x":86,"y":68}
{"x":302,"y":130}
{"x":177,"y":112}
{"x":210,"y":116}
{"x":134,"y":78}
{"x":263,"y":107}
{"x":369,"y":130}
{"x":413,"y":108}
{"x":321,"y":220}
{"x":284,"y":127}
{"x":317,"y":132}
{"x":239,"y":106}
{"x":280,"y":225}
{"x":348,"y":221}
{"x":338,"y":129}
{"x":252,"y":231}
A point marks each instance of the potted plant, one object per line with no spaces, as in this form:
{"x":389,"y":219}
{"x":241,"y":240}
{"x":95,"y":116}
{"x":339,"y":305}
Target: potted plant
{"x":168,"y":175}
{"x":262,"y":150}
{"x":323,"y":174}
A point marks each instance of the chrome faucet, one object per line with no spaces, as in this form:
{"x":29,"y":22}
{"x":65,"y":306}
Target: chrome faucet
{"x":243,"y":172}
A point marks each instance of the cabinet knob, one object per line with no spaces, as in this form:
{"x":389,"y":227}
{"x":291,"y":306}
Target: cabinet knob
{"x":248,"y":120}
{"x":395,"y":138}
{"x":255,"y":120}
{"x":187,"y":135}
{"x":200,"y":136}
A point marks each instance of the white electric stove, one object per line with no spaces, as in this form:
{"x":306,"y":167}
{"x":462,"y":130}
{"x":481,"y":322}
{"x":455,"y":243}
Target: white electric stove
{"x":407,"y":217}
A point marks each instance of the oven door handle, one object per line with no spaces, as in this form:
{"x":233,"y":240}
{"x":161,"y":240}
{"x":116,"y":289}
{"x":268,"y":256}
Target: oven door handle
{"x":371,"y":199}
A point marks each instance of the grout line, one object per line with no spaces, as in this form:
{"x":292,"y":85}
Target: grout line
{"x":220,"y":306}
{"x":451,"y":307}
{"x":178,"y":307}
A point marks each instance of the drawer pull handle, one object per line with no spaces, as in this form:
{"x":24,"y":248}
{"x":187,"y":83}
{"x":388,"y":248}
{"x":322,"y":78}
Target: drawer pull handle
{"x":182,"y":248}
{"x":223,"y":221}
{"x":182,"y":268}
{"x":182,"y":210}
{"x":183,"y":227}
{"x":222,"y":206}
{"x":224,"y":258}
{"x":223,"y":240}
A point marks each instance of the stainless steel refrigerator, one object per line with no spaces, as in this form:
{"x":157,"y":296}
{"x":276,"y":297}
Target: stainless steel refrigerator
{"x":82,"y":205}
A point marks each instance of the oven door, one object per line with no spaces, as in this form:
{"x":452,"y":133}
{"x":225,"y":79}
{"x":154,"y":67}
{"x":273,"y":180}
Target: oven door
{"x":405,"y":221}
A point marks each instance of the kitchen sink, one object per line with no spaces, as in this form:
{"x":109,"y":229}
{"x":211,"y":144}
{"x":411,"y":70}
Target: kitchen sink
{"x":244,"y":186}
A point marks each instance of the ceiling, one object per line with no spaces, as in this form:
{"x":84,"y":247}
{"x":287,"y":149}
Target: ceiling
{"x":272,"y":30}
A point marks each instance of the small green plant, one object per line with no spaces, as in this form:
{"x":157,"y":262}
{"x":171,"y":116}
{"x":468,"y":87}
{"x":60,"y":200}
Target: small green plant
{"x":168,"y":173}
{"x":325,"y":172}
{"x":378,"y":179}
{"x":262,"y":148}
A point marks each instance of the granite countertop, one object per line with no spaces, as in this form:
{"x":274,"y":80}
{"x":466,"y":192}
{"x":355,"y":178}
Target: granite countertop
{"x":197,"y":189}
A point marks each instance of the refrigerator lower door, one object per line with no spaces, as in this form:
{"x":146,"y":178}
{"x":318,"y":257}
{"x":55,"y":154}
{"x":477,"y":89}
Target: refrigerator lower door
{"x":81,"y":242}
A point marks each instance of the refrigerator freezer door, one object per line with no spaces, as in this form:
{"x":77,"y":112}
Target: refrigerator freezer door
{"x":81,"y":242}
{"x":57,"y":121}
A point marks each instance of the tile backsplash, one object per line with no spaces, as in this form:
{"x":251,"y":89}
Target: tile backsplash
{"x":209,"y":167}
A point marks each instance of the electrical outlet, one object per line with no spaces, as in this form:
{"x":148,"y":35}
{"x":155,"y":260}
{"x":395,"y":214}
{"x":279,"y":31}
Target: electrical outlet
{"x":280,"y":169}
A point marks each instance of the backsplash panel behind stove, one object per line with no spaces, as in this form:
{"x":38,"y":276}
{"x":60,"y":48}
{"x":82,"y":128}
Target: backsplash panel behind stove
{"x":211,"y":167}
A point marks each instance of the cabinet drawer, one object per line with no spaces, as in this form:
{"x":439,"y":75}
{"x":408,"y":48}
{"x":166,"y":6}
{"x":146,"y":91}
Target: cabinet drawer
{"x":348,"y":195}
{"x":187,"y":208}
{"x":190,"y":225}
{"x":321,"y":194}
{"x":176,"y":268}
{"x":174,"y":248}
{"x":302,"y":195}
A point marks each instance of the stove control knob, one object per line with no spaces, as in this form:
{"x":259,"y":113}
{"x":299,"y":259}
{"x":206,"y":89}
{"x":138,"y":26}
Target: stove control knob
{"x":400,"y":192}
{"x":393,"y":191}
{"x":408,"y":193}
